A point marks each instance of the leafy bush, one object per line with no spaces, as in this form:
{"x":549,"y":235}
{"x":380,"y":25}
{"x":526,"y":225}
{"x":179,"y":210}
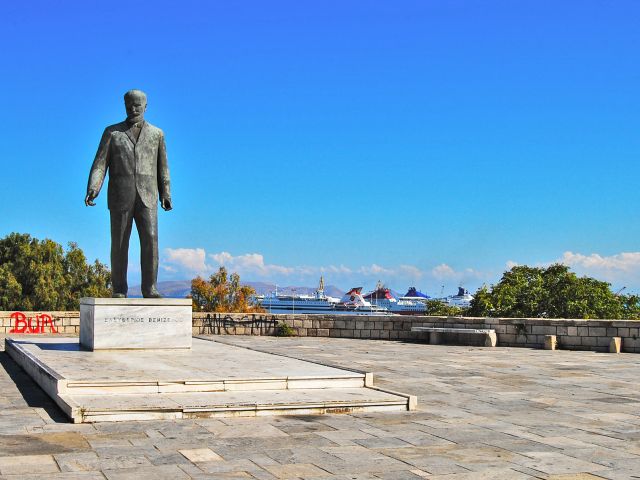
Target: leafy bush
{"x":284,"y":330}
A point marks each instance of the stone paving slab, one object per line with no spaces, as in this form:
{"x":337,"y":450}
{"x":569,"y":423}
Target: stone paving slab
{"x":483,"y":414}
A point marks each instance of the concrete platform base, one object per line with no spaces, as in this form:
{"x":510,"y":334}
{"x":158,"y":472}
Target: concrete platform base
{"x":210,"y":380}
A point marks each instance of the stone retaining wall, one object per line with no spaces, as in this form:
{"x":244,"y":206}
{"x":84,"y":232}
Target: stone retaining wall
{"x":67,"y":323}
{"x":513,"y":332}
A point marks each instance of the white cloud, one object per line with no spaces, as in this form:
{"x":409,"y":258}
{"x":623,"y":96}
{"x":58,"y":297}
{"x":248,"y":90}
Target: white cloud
{"x":339,"y":270}
{"x":619,"y":269}
{"x":190,"y":260}
{"x":184,"y":262}
{"x":411,"y":271}
{"x":378,"y":272}
{"x":252,"y":266}
{"x":374,"y":270}
{"x":251,"y":263}
{"x":624,"y":262}
{"x":469,"y":278}
{"x":443,"y":272}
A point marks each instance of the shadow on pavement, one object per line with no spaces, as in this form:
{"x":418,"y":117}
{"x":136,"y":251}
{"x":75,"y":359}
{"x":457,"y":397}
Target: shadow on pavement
{"x":30,"y":391}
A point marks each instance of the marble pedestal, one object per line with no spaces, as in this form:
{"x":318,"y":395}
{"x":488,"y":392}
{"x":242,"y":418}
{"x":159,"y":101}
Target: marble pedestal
{"x":135,"y":323}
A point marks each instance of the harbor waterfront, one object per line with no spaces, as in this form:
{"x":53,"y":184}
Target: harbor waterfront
{"x":294,"y":310}
{"x":378,"y":302}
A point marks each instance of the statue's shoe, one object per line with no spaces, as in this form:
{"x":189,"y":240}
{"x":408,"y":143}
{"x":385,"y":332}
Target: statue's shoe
{"x":152,"y":294}
{"x":118,"y":295}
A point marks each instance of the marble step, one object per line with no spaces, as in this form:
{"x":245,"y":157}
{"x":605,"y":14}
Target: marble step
{"x":109,"y":408}
{"x":213,"y":385}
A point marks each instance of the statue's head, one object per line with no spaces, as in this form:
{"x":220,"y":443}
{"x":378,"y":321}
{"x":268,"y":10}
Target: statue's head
{"x":135,"y":101}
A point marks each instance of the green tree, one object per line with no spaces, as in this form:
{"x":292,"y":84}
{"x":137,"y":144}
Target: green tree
{"x":10,"y":289}
{"x":630,"y":306}
{"x":222,"y":293}
{"x":438,"y":308}
{"x":551,"y":292}
{"x":41,"y":275}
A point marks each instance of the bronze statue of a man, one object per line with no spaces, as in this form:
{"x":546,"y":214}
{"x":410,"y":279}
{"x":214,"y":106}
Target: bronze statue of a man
{"x":135,"y":155}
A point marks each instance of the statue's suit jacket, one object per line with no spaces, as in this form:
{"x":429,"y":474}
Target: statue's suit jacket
{"x":134,"y":166}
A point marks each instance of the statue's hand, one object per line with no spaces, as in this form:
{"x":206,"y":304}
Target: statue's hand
{"x":166,"y":204}
{"x":88,"y":200}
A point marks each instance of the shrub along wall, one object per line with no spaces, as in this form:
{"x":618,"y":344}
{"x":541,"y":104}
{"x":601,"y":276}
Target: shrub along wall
{"x":513,"y":332}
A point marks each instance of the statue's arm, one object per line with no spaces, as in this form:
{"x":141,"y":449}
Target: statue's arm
{"x":164,"y":187}
{"x":98,"y":169}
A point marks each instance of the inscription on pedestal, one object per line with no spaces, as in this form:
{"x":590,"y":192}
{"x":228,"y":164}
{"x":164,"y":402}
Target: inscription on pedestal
{"x":135,"y":323}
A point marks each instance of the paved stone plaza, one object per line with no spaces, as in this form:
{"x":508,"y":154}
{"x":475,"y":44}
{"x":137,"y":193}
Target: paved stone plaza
{"x":490,"y":413}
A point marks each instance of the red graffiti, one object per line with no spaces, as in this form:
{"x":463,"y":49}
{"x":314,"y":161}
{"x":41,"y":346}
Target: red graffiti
{"x":24,"y":324}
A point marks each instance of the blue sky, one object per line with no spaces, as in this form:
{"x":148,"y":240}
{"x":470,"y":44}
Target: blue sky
{"x":416,"y":142}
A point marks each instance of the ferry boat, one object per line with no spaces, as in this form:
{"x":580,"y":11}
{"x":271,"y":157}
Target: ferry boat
{"x":354,"y":301}
{"x":316,"y":303}
{"x":382,"y":296}
{"x":462,"y":299}
{"x":415,"y":295}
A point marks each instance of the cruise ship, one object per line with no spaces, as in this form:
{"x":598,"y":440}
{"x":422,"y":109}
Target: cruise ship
{"x":353,"y":301}
{"x":462,"y":299}
{"x":316,"y":303}
{"x":414,"y":294}
{"x":382,"y":296}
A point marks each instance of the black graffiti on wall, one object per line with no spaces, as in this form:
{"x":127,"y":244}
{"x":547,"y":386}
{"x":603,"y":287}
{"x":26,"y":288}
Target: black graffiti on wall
{"x":257,"y":324}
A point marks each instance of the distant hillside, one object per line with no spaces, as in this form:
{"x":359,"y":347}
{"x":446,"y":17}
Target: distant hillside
{"x":182,"y":288}
{"x":176,"y":289}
